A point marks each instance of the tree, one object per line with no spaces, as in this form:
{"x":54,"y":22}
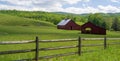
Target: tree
{"x":116,"y":24}
{"x":104,"y":25}
{"x":108,"y":21}
{"x":96,"y":19}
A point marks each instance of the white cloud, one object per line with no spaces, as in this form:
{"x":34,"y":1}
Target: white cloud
{"x":74,"y":1}
{"x":56,"y":6}
{"x":81,"y":10}
{"x":8,"y":7}
{"x":70,"y":1}
{"x":19,"y":2}
{"x":28,"y":2}
{"x":45,"y":5}
{"x":88,"y":9}
{"x":109,"y":8}
{"x":115,"y":0}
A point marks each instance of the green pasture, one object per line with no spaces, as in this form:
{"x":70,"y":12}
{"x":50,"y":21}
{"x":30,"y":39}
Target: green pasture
{"x":110,"y":54}
{"x":16,"y":33}
{"x":13,"y":28}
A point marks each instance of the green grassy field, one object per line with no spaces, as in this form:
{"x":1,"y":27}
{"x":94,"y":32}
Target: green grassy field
{"x":110,"y":54}
{"x":14,"y":33}
{"x":9,"y":20}
{"x":17,"y":28}
{"x":13,"y":28}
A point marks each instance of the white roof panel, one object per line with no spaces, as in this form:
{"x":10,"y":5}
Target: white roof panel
{"x":64,"y":22}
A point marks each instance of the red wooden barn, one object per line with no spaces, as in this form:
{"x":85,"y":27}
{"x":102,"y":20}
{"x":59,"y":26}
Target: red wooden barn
{"x":90,"y":28}
{"x":68,"y":24}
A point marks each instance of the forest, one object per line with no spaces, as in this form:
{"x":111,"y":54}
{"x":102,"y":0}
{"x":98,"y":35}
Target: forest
{"x":109,"y":21}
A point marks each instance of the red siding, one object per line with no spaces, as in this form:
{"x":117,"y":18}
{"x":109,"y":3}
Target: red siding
{"x":94,"y":29}
{"x":71,"y":25}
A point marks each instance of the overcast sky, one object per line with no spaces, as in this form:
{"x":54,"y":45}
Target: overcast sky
{"x":71,"y":6}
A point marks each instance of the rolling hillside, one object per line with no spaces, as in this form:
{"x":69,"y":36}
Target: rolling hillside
{"x":20,"y":28}
{"x":18,"y":21}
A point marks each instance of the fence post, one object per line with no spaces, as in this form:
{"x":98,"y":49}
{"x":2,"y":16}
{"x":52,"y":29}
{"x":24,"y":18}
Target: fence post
{"x":37,"y":49}
{"x":105,"y":43}
{"x":79,"y":46}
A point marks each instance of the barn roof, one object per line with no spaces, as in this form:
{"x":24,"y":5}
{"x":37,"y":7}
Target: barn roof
{"x":93,"y":25}
{"x":64,"y":22}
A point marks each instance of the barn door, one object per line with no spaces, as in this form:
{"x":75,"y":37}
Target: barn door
{"x":88,"y":30}
{"x":70,"y":27}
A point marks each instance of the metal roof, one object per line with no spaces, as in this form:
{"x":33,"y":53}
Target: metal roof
{"x":64,"y":22}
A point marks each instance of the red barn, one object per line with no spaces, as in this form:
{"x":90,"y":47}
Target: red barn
{"x":90,"y":28}
{"x":68,"y":24}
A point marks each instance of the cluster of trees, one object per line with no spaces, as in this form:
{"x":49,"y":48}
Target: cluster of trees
{"x":116,"y":24}
{"x":108,"y":21}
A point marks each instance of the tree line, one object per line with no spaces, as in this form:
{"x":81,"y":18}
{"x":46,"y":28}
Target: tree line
{"x":108,"y":21}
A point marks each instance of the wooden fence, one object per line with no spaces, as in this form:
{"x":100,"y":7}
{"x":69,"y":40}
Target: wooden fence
{"x":37,"y":49}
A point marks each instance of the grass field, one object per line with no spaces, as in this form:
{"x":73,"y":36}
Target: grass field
{"x":13,"y":33}
{"x":44,"y":32}
{"x":17,"y":28}
{"x":110,"y":54}
{"x":14,"y":28}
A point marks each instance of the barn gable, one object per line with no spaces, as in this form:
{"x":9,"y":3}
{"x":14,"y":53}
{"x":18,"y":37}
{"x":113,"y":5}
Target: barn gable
{"x":68,"y":24}
{"x":90,"y":28}
{"x":64,"y":22}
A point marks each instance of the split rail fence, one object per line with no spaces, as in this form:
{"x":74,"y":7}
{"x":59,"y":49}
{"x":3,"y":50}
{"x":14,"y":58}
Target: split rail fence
{"x":37,"y":49}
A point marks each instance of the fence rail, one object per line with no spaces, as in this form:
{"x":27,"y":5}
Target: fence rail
{"x":58,"y":40}
{"x":57,"y":55}
{"x":16,"y":51}
{"x":37,"y":49}
{"x":54,"y":48}
{"x":32,"y":41}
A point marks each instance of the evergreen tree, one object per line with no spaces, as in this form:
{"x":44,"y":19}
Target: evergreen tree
{"x":116,"y":24}
{"x":96,"y":19}
{"x":104,"y":25}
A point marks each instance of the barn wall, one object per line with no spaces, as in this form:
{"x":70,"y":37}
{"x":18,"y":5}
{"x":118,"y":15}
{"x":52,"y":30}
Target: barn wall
{"x":95,"y":29}
{"x":70,"y":26}
{"x":60,"y":27}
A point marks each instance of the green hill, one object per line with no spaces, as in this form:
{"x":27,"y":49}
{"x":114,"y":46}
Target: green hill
{"x":20,"y":26}
{"x":51,"y":17}
{"x":20,"y":21}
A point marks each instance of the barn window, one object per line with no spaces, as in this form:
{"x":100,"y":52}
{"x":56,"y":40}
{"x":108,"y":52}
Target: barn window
{"x":88,"y":29}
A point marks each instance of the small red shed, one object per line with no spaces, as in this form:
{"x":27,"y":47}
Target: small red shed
{"x":90,"y":28}
{"x":68,"y":24}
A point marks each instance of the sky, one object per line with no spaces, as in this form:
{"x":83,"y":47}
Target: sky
{"x":70,"y":6}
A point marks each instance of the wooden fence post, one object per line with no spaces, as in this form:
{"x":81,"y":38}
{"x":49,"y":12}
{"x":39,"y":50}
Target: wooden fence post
{"x":37,"y":49}
{"x":79,"y":46}
{"x":105,"y":43}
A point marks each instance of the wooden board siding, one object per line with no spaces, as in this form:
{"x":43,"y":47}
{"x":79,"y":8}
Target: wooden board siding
{"x":94,"y":29}
{"x":71,"y":25}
